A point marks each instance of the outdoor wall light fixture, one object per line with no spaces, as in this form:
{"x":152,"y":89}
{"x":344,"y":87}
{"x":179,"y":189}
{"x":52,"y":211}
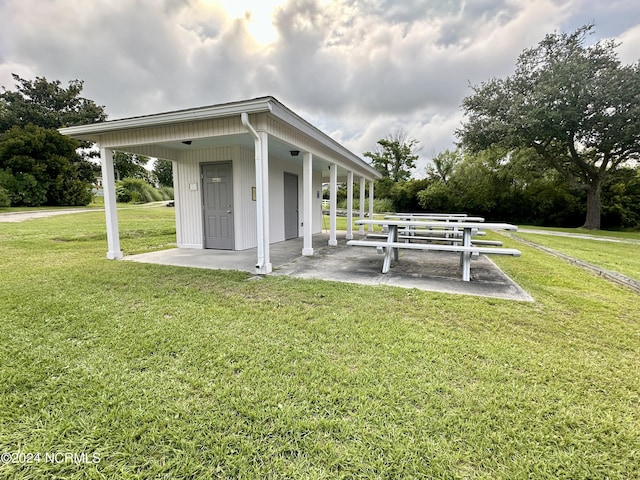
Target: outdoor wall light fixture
{"x":294,"y":153}
{"x":187,"y":142}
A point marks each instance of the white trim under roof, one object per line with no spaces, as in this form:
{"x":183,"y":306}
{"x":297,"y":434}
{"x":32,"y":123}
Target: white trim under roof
{"x":257,"y":105}
{"x":88,"y":132}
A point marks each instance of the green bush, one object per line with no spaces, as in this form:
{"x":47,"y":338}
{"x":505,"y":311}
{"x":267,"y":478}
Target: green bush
{"x":167,"y":193}
{"x":380,"y":205}
{"x":23,"y":189}
{"x":134,"y":190}
{"x":4,"y":198}
{"x":137,"y":190}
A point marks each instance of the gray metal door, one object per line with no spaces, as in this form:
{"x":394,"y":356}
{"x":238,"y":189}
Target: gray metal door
{"x":217,"y":192}
{"x":290,"y":206}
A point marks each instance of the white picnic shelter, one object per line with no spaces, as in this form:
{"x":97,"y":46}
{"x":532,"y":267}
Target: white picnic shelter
{"x":246,"y":174}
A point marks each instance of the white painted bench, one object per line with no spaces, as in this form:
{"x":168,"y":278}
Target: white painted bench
{"x":453,"y":240}
{"x":451,"y":232}
{"x":465,"y":252}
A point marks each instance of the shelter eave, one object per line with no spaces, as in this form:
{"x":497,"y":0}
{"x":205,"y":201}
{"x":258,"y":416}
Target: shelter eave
{"x":93,"y":131}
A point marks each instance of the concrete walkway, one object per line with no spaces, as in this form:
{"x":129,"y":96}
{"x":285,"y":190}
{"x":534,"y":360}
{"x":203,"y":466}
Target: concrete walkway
{"x":432,"y":271}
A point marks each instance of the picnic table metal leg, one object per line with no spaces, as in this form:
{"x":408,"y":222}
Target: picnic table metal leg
{"x":387,"y":260}
{"x":394,"y":234}
{"x":466,"y":256}
{"x":392,"y":237}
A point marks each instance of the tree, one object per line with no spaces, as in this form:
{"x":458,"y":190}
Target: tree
{"x":130,"y":165}
{"x":444,"y":164}
{"x":621,"y":195}
{"x":404,"y":195}
{"x":163,"y":171}
{"x":499,"y":185}
{"x":47,"y":105}
{"x":576,"y":106}
{"x":395,"y":156}
{"x":38,"y":166}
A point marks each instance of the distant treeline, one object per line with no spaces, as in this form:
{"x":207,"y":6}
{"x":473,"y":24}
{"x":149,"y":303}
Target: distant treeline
{"x":513,"y":189}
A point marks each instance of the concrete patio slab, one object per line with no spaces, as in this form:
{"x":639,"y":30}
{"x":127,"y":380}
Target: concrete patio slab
{"x":432,"y":271}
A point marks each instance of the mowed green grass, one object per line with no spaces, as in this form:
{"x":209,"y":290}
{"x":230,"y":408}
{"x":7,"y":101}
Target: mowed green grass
{"x":618,"y":256}
{"x":165,"y":372}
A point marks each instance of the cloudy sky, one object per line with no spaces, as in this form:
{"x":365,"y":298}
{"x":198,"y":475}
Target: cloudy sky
{"x":357,"y":69}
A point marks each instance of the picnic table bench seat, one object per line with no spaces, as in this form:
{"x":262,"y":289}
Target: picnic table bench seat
{"x":466,"y":252}
{"x":444,"y":248}
{"x":401,"y":229}
{"x":457,"y":239}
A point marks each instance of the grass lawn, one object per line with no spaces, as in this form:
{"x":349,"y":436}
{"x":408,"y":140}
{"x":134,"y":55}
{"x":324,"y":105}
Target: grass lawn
{"x":619,"y":257}
{"x":166,"y":372}
{"x":341,"y":223}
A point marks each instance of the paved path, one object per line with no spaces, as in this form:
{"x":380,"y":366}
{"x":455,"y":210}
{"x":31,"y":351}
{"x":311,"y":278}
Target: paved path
{"x":610,"y":275}
{"x":22,"y":216}
{"x":578,"y":235}
{"x":14,"y":217}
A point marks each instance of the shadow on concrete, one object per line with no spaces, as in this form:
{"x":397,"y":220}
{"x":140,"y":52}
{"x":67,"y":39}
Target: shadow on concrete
{"x":432,"y":271}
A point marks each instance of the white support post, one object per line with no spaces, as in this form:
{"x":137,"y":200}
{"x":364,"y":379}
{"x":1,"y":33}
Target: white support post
{"x":264,"y":159}
{"x":261,"y":150}
{"x":362,"y":200}
{"x":307,"y":194}
{"x":350,"y":206}
{"x":110,"y":209}
{"x":333,"y":192}
{"x":371,"y":204}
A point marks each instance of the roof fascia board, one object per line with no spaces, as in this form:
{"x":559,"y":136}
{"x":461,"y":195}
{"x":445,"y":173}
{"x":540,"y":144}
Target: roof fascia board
{"x":250,"y":106}
{"x":316,"y":134}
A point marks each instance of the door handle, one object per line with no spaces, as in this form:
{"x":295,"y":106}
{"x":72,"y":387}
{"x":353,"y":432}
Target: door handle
{"x":228,"y":211}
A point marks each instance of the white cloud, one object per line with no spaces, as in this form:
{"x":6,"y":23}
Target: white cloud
{"x":357,"y":69}
{"x":628,"y":50}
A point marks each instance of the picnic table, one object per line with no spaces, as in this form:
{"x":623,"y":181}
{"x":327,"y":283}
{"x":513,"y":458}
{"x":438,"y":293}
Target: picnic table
{"x":440,"y":217}
{"x":392,"y":246}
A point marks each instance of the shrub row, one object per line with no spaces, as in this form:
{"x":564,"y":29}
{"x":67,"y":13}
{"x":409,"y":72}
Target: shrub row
{"x":137,"y":190}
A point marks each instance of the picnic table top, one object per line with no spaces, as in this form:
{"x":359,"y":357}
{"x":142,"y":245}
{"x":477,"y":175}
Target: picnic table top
{"x":443,"y":218}
{"x":440,"y":223}
{"x":431,"y":214}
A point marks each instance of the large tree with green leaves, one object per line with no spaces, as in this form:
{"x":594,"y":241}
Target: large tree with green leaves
{"x":395,"y":156}
{"x":38,"y":166}
{"x":130,"y":165}
{"x":574,"y":104}
{"x":47,"y":105}
{"x":443,"y":165}
{"x":163,"y":171}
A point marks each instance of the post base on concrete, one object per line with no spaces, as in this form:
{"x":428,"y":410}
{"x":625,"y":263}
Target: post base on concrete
{"x":264,"y":270}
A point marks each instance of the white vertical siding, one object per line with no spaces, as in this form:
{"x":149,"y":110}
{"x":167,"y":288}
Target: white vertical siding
{"x":244,"y":178}
{"x":276,"y":201}
{"x":178,"y":131}
{"x":178,"y":194}
{"x":188,"y":205}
